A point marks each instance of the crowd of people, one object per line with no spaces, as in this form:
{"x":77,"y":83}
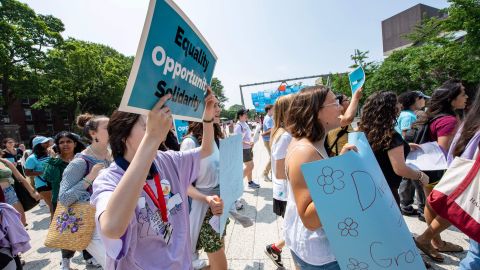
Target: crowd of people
{"x":155,"y":197}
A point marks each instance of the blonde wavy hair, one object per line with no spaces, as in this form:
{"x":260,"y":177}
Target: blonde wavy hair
{"x":280,"y":113}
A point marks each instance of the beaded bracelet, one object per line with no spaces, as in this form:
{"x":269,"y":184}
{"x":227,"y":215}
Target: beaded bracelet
{"x":87,"y":181}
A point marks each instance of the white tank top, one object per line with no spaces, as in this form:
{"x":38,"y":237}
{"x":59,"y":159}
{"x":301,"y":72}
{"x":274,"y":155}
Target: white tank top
{"x":310,"y":246}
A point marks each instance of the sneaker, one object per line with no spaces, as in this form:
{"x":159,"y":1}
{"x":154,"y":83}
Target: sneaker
{"x":65,"y":264}
{"x":266,"y":178}
{"x":238,"y":205}
{"x":92,"y":262}
{"x":198,"y":264}
{"x":42,"y":203}
{"x":275,"y":256}
{"x":252,"y":184}
{"x":408,"y":210}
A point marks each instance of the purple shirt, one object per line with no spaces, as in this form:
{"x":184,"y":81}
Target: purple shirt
{"x":12,"y":232}
{"x":470,"y":148}
{"x":142,"y":246}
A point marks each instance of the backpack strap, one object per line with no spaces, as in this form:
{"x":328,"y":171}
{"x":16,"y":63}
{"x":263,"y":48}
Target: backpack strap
{"x":87,"y":170}
{"x":340,"y":134}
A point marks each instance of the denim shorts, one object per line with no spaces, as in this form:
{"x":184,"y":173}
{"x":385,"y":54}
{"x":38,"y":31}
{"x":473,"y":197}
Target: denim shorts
{"x":10,"y":195}
{"x":306,"y":266}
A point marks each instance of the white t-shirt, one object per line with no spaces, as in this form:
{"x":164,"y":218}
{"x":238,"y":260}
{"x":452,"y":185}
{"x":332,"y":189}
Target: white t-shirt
{"x":243,"y":129}
{"x":209,"y":166}
{"x":279,"y":151}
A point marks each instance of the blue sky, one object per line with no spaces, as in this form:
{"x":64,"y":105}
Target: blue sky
{"x":255,"y":40}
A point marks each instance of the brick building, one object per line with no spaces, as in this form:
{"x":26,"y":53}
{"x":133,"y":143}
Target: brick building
{"x":21,"y":121}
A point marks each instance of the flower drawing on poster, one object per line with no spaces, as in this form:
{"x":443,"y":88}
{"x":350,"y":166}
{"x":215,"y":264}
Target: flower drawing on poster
{"x":348,"y":227}
{"x":331,"y":180}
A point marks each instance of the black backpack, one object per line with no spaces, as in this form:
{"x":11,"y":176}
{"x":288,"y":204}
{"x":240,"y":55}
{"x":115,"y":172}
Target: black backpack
{"x":329,"y":148}
{"x":420,"y":132}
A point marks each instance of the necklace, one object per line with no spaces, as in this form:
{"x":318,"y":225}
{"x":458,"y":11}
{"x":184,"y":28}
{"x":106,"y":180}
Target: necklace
{"x":104,"y":157}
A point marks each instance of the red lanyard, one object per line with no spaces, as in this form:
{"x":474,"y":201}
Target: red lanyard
{"x":160,"y":201}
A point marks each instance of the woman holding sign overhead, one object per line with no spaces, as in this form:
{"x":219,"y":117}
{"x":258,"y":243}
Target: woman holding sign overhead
{"x":141,"y":199}
{"x":313,"y":112}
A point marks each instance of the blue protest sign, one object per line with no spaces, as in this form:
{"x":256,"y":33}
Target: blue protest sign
{"x":359,"y":214}
{"x":356,"y":78}
{"x":172,"y":57}
{"x":231,"y":174}
{"x":181,"y":129}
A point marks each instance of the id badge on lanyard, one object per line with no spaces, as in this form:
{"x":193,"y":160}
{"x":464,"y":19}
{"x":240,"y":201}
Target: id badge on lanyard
{"x":161,"y":207}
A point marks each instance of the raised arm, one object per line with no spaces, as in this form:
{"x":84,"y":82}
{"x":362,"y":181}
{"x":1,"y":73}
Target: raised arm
{"x":114,"y":223}
{"x":208,"y":118}
{"x":347,"y":118}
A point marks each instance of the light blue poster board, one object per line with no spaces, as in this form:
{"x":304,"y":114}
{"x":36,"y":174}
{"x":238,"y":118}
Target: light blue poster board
{"x":181,"y":129}
{"x":172,"y":57}
{"x":359,"y":214}
{"x":356,"y":78}
{"x":231,"y":174}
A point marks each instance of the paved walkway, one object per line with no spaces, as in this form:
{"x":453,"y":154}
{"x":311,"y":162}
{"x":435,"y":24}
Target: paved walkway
{"x":244,"y":246}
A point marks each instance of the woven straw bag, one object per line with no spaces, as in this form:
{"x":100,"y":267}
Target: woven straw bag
{"x":72,"y":227}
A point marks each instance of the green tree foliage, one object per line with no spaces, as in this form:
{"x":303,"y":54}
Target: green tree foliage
{"x":340,"y":82}
{"x":231,"y":113}
{"x":24,"y":39}
{"x":85,"y":77}
{"x":217,"y":88}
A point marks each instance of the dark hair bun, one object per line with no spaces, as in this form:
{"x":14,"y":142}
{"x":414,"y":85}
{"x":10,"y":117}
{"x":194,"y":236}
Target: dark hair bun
{"x":82,"y":119}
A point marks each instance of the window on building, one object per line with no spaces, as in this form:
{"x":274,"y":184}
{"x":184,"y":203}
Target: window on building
{"x":67,"y":127}
{"x":48,"y":115}
{"x":28,"y":115}
{"x":5,"y":118}
{"x":25,"y":101}
{"x":65,"y":116}
{"x":50,"y":129}
{"x":31,"y":130}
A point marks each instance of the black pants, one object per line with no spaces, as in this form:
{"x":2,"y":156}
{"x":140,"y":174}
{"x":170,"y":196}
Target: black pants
{"x":68,"y":254}
{"x":406,"y":192}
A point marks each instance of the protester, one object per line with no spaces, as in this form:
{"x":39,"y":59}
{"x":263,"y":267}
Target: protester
{"x":35,"y":165}
{"x":68,"y":146}
{"x":465,"y":144}
{"x":12,"y":154}
{"x":314,"y":111}
{"x":443,"y":124}
{"x":13,"y":238}
{"x":412,"y":102}
{"x":279,"y":140}
{"x":244,"y":130}
{"x":206,"y":197}
{"x":9,"y":174}
{"x":267,"y":129}
{"x":171,"y":142}
{"x":378,"y":123}
{"x":338,"y":137}
{"x":78,"y":176}
{"x":144,"y":234}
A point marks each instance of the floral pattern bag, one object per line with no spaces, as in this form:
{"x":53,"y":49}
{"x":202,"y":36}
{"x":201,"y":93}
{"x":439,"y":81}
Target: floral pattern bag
{"x":72,"y":227}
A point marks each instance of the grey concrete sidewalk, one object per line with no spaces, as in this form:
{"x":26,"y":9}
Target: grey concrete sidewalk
{"x":244,"y":246}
